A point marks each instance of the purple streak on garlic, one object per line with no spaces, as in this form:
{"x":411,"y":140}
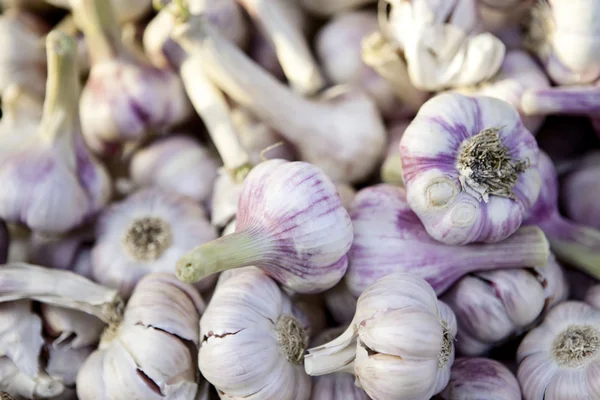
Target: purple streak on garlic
{"x":147,"y":232}
{"x":67,"y":252}
{"x":459,"y":198}
{"x":4,"y":242}
{"x":391,"y":169}
{"x":52,"y":183}
{"x":21,"y":336}
{"x":491,"y":307}
{"x":290,"y":223}
{"x":331,"y":7}
{"x":342,"y":118}
{"x":177,"y":164}
{"x":70,"y":329}
{"x":560,"y":359}
{"x":125,"y":97}
{"x":481,"y":378}
{"x":399,"y":344}
{"x":17,"y":384}
{"x":573,"y":243}
{"x":580,"y":191}
{"x":341,"y":303}
{"x":388,"y":237}
{"x":150,"y":354}
{"x":253,"y":341}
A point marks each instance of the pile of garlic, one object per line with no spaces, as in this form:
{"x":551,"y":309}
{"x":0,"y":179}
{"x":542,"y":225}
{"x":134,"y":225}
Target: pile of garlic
{"x":299,"y":199}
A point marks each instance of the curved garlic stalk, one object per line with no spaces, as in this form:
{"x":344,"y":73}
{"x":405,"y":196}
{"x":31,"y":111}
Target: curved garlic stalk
{"x":70,"y":329}
{"x":22,"y":60}
{"x":178,"y":164}
{"x":290,"y":223}
{"x":493,"y":306}
{"x":560,"y":358}
{"x":70,"y":253}
{"x":331,"y":7}
{"x":341,"y":303}
{"x":388,"y":237}
{"x":391,"y":169}
{"x":58,"y":183}
{"x":565,"y":37}
{"x":399,"y":327}
{"x":576,"y":244}
{"x":150,"y":354}
{"x":19,"y":385}
{"x":4,"y":242}
{"x":253,"y":341}
{"x":459,"y":198}
{"x":343,"y":119}
{"x":125,"y":11}
{"x":501,"y":14}
{"x":284,"y":24}
{"x":481,"y":378}
{"x":442,"y":43}
{"x":579,"y":190}
{"x":147,"y":232}
{"x":124,"y":98}
{"x":518,"y":74}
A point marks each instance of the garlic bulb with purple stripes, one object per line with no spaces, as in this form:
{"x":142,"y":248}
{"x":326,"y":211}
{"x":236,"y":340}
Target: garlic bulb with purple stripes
{"x":470,"y":168}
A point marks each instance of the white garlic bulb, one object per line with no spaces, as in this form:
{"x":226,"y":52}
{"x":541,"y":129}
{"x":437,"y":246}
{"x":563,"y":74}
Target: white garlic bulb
{"x":253,"y":341}
{"x":20,"y":385}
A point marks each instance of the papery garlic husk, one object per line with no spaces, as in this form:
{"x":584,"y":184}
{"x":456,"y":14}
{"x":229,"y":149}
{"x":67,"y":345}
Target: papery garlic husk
{"x":391,"y":169}
{"x":23,"y":60}
{"x":70,"y":329}
{"x":57,"y":184}
{"x":342,"y":118}
{"x":458,"y":198}
{"x":125,"y":11}
{"x":4,"y":242}
{"x":65,"y":362}
{"x":442,"y":43}
{"x":341,"y":303}
{"x":21,"y":386}
{"x":399,"y":327}
{"x":332,"y":7}
{"x":480,"y":378}
{"x":566,"y":38}
{"x":388,"y":238}
{"x":178,"y":164}
{"x":253,"y":341}
{"x":147,"y":232}
{"x":519,"y":73}
{"x":290,"y":223}
{"x":63,"y":252}
{"x":493,"y":306}
{"x":125,"y":97}
{"x":560,"y":359}
{"x":579,"y":191}
{"x":150,"y":354}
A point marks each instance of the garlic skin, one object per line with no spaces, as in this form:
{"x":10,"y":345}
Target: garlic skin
{"x":20,"y":385}
{"x":342,"y":118}
{"x":177,"y":164}
{"x":150,"y":353}
{"x":53,"y":183}
{"x":388,"y":238}
{"x":560,"y":358}
{"x":579,"y":189}
{"x":446,"y":188}
{"x":332,"y":7}
{"x":442,"y":43}
{"x":4,"y":242}
{"x":290,"y":223}
{"x":401,"y":328}
{"x":253,"y":340}
{"x":480,"y":378}
{"x":147,"y":232}
{"x":493,"y":306}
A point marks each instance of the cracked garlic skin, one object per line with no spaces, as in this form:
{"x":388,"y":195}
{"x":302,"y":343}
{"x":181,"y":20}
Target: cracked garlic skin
{"x":494,"y":306}
{"x":398,"y":345}
{"x":52,"y":182}
{"x":147,"y":232}
{"x":560,"y":359}
{"x":480,"y":378}
{"x":253,"y":341}
{"x":470,"y":168}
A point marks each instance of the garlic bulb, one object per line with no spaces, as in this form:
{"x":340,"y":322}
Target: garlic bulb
{"x":56,"y":183}
{"x":566,"y":38}
{"x":147,"y":232}
{"x":150,"y":353}
{"x":290,"y":222}
{"x":253,"y":341}
{"x":442,"y":43}
{"x":391,"y":169}
{"x":579,"y":191}
{"x":64,"y":363}
{"x":67,"y":252}
{"x":563,"y":100}
{"x":22,"y":60}
{"x":4,"y":242}
{"x":388,"y":238}
{"x":18,"y":385}
{"x":124,"y":98}
{"x":480,"y":378}
{"x":178,"y":164}
{"x":560,"y":358}
{"x":493,"y":306}
{"x":331,"y":7}
{"x":459,"y":198}
{"x":399,"y":344}
{"x":341,"y":303}
{"x":342,"y":119}
{"x":519,"y":73}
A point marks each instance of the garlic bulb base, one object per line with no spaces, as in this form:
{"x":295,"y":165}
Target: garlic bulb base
{"x":292,"y":338}
{"x":576,"y":345}
{"x":147,"y":238}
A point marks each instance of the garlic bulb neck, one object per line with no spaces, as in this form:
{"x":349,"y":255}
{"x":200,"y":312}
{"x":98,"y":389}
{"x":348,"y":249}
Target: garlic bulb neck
{"x":576,"y":346}
{"x":485,"y":165}
{"x":99,"y":24}
{"x":292,"y":338}
{"x":447,"y":345}
{"x":147,"y":238}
